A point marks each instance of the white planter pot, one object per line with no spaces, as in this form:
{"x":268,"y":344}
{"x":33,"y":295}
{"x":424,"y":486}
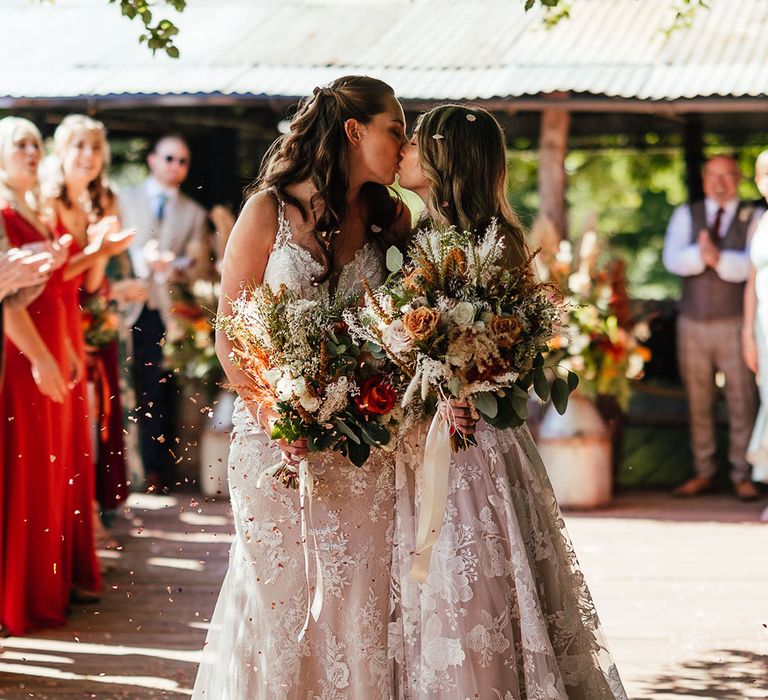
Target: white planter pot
{"x":214,"y":447}
{"x":576,"y":450}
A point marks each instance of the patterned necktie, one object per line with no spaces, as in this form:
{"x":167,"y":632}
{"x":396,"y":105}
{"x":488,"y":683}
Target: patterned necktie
{"x":161,"y":202}
{"x":714,"y":229}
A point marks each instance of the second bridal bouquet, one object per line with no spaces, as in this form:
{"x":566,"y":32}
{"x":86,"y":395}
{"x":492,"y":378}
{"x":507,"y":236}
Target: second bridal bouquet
{"x":302,"y":363}
{"x":460,"y":324}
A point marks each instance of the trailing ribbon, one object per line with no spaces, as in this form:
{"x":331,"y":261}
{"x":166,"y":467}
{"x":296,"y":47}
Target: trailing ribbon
{"x":434,"y":491}
{"x":306,"y":489}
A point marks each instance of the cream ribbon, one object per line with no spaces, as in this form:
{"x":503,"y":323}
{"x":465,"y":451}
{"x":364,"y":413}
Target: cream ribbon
{"x":434,"y":491}
{"x":306,"y":489}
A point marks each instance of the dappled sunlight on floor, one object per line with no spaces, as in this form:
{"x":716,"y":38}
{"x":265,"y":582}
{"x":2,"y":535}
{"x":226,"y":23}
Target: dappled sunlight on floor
{"x":143,"y":640}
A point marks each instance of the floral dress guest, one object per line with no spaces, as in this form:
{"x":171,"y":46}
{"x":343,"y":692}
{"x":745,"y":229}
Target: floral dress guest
{"x":503,"y":611}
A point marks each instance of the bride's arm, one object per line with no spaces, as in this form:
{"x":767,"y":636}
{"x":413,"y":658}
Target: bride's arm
{"x":245,"y":259}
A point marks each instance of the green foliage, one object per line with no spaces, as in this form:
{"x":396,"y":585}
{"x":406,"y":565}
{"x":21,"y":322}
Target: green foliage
{"x":684,"y":12}
{"x":157,"y":36}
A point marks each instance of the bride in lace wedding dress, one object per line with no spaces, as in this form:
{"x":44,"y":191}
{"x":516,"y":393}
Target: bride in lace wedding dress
{"x":327,"y":175}
{"x":504,"y":612}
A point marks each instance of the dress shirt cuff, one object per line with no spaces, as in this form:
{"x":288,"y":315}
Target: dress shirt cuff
{"x":733,"y":266}
{"x":684,"y":261}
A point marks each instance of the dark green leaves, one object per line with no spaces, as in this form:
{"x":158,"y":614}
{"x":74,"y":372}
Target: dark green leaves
{"x":560,"y":395}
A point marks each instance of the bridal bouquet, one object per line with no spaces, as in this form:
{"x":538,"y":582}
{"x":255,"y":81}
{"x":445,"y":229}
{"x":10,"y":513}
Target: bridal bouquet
{"x":303,"y":364}
{"x":460,"y":324}
{"x":99,"y":321}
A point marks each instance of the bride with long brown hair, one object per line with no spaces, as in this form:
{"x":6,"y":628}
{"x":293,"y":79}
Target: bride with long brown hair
{"x":319,"y":216}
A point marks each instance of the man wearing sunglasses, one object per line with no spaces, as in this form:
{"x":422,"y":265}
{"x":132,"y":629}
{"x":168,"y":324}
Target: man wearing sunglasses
{"x":170,"y":248}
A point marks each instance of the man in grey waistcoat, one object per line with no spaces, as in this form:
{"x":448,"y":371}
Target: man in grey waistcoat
{"x":707,"y":244}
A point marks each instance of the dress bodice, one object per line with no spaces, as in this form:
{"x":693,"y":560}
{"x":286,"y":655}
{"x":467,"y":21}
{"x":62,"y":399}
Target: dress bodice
{"x":293,"y":265}
{"x":758,"y":253}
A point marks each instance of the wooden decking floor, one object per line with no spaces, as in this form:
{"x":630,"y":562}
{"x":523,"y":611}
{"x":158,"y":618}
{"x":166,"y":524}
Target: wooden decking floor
{"x":680,"y":588}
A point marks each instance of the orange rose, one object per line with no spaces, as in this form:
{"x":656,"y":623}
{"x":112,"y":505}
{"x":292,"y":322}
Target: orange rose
{"x":376,"y":397}
{"x":421,"y":323}
{"x":507,"y":330}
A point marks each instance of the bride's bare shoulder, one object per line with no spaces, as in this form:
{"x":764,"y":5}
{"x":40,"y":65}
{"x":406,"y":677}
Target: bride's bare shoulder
{"x":253,"y":236}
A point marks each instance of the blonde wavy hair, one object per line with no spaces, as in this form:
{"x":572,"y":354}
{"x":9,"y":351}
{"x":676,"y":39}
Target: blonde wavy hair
{"x":100,"y":194}
{"x":11,"y":130}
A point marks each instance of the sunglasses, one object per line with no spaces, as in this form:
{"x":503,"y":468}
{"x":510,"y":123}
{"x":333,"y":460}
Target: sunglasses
{"x":173,"y":159}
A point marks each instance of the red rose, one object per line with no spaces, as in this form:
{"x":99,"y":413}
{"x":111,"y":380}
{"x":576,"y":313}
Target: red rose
{"x":376,"y":397}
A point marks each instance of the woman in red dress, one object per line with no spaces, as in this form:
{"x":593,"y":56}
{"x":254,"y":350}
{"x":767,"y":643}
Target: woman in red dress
{"x":82,"y":205}
{"x":41,"y":366}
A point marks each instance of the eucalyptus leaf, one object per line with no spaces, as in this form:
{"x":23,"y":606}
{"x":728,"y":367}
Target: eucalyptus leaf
{"x":540,"y":384}
{"x":453,"y":385}
{"x":560,"y":395}
{"x":520,"y":407}
{"x":573,"y":380}
{"x":394,"y":259}
{"x":346,"y":430}
{"x":486,"y":403}
{"x":358,"y":453}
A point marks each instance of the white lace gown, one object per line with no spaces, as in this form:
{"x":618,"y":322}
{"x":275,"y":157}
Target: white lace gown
{"x":505,"y":613}
{"x":252,"y":652}
{"x":757,"y":452}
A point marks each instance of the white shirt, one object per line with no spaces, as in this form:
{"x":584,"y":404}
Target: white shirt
{"x":154,"y":190}
{"x":681,"y":257}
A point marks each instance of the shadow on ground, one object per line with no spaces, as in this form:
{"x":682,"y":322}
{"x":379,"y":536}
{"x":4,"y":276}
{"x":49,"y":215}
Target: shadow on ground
{"x":724,"y":674}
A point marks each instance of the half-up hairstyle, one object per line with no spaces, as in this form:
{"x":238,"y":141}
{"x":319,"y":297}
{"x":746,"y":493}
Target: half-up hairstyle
{"x":316,"y":149}
{"x":100,"y":195}
{"x":463,"y":156}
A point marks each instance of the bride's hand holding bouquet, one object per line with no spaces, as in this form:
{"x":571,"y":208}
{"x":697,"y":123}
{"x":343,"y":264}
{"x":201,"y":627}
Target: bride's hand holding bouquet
{"x":315,"y":390}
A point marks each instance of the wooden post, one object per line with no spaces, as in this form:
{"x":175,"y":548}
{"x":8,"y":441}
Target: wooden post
{"x":553,"y":145}
{"x":693,"y":143}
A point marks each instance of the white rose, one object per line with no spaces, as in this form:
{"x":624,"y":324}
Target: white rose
{"x":299,"y":386}
{"x":273,"y":376}
{"x":284,"y":388}
{"x":463,"y":314}
{"x":309,"y":403}
{"x":396,"y":337}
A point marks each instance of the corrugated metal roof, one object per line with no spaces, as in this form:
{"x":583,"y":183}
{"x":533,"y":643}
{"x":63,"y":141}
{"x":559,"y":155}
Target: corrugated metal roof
{"x":427,"y":49}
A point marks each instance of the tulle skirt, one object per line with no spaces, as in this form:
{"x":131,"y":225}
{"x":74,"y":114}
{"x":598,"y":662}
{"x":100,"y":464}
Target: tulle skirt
{"x":505,"y":611}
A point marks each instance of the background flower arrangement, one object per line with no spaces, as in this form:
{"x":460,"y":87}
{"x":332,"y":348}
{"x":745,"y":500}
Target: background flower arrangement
{"x":603,"y":344}
{"x":189,"y":348}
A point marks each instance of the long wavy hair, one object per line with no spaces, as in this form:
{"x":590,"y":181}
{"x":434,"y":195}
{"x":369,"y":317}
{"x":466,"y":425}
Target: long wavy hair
{"x":101,"y":197}
{"x":316,"y":150}
{"x":462,"y":153}
{"x":28,"y":204}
